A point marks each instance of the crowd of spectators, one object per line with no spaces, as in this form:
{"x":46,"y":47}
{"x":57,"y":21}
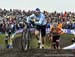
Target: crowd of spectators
{"x":12,"y":20}
{"x":66,"y":18}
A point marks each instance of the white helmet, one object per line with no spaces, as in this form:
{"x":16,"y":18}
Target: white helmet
{"x":54,"y":24}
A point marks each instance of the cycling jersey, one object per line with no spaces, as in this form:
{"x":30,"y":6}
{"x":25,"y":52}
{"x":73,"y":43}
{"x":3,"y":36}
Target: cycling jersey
{"x":40,"y":24}
{"x":60,"y":25}
{"x":56,"y":30}
{"x":41,"y":19}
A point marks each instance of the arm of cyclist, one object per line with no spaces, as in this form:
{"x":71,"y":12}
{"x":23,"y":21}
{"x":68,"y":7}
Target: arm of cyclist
{"x":29,"y":18}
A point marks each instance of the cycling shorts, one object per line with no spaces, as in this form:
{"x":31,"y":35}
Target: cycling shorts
{"x":42,"y":29}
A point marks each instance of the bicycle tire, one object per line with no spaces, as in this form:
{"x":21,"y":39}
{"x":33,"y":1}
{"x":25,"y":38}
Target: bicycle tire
{"x":25,"y":40}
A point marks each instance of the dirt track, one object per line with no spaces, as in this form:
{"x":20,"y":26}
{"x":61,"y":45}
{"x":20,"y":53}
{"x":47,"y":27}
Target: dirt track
{"x":37,"y":53}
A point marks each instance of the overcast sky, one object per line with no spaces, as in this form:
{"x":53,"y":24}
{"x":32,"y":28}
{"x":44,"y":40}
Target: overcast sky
{"x":49,"y":5}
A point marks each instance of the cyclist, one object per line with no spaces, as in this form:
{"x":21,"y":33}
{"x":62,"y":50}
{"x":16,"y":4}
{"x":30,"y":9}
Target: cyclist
{"x":40,"y":22}
{"x":56,"y":31}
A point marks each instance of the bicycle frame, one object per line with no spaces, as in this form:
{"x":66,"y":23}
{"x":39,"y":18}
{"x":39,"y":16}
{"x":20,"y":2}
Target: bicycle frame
{"x":26,"y":38}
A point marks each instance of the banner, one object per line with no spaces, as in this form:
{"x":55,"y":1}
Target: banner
{"x":68,"y":31}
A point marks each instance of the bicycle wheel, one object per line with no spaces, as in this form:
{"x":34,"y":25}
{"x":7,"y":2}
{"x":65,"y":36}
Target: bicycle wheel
{"x":25,"y":40}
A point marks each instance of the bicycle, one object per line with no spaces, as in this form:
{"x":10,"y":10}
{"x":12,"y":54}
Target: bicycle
{"x":26,"y":36}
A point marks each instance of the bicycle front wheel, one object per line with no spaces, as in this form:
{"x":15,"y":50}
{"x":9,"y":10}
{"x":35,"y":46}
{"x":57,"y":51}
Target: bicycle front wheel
{"x":25,"y":40}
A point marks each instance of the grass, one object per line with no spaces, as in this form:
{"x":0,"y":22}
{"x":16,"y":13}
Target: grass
{"x":65,"y":40}
{"x":2,"y":39}
{"x":2,"y":36}
{"x":2,"y":42}
{"x":17,"y":35}
{"x":34,"y":43}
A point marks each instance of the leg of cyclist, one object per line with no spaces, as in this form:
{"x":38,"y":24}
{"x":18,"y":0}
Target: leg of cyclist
{"x":38,"y":37}
{"x":43,"y":33}
{"x":6,"y":40}
{"x":57,"y":42}
{"x":42,"y":42}
{"x":54,"y":42}
{"x":50,"y":40}
{"x":40,"y":33}
{"x":54,"y":45}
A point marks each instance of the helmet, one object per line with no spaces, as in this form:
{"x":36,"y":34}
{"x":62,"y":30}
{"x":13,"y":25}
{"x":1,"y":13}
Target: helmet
{"x":54,"y":24}
{"x":37,"y":9}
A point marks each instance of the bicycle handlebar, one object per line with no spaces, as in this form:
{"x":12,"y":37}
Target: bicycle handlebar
{"x":31,"y":22}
